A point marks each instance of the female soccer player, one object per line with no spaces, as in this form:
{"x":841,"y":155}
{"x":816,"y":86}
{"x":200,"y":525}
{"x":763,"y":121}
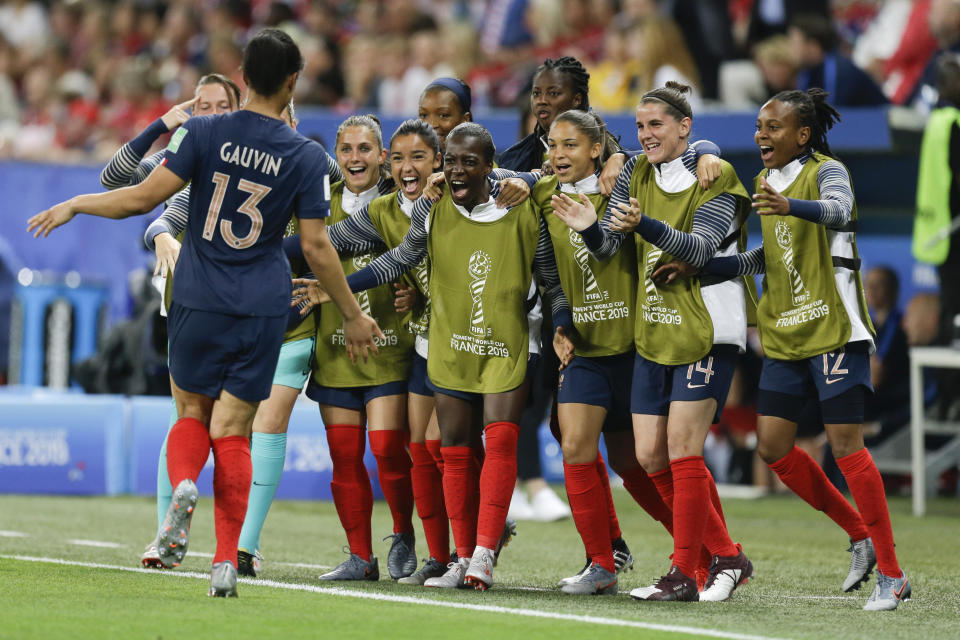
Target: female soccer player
{"x":249,"y":171}
{"x":445,"y":103}
{"x":686,"y":337}
{"x":414,"y":155}
{"x":374,"y":392}
{"x":815,"y":329}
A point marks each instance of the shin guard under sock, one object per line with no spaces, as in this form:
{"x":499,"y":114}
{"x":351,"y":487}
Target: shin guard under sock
{"x":232,"y":473}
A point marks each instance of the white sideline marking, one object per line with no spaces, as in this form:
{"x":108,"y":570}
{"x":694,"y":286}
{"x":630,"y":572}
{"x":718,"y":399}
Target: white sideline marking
{"x":303,"y":565}
{"x":97,"y":543}
{"x":820,"y":597}
{"x":366,"y":595}
{"x":13,"y":534}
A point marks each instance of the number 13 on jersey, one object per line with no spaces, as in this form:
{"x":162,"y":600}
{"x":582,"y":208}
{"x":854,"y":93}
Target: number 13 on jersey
{"x":249,"y":208}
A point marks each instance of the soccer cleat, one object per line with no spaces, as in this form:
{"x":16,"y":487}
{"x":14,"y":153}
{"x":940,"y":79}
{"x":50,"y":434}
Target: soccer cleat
{"x":622,"y":558}
{"x":431,"y":569}
{"x":249,"y":564}
{"x":402,"y":558}
{"x":862,"y":560}
{"x":576,"y":576}
{"x":223,"y":580}
{"x":509,"y":531}
{"x":480,"y":573}
{"x":675,"y":586}
{"x":151,"y":556}
{"x":453,"y":578}
{"x":888,"y":593}
{"x":594,"y":581}
{"x":355,"y":568}
{"x":175,"y":530}
{"x":726,"y":574}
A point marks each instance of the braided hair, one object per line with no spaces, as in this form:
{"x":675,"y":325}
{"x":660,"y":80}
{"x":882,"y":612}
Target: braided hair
{"x":573,"y":69}
{"x":812,"y":111}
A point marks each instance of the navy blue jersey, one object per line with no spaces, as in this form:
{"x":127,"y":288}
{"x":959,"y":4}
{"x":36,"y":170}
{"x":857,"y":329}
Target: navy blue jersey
{"x":248,"y":173}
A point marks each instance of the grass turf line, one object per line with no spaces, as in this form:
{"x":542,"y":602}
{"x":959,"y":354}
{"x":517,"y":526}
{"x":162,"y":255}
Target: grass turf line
{"x":798,"y":553}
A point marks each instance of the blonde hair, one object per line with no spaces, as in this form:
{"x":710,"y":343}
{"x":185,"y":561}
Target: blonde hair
{"x":664,"y":45}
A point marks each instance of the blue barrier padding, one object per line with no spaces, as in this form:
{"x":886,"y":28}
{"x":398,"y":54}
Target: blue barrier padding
{"x":62,"y":443}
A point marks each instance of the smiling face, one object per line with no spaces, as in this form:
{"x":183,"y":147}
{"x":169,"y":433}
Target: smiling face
{"x":359,"y":157}
{"x":572,"y":156}
{"x":411,"y":162}
{"x":441,"y":109}
{"x":466,"y":168}
{"x":213,"y":99}
{"x":551,"y":95}
{"x":778,"y":135}
{"x":661,"y":135}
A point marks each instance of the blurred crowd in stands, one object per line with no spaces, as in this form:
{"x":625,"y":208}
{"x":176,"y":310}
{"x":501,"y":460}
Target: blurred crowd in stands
{"x":78,"y":78}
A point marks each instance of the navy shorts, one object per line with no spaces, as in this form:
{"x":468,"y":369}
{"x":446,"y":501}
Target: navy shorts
{"x":211,"y":352}
{"x":821,"y":377}
{"x":418,"y":382}
{"x":656,"y":385}
{"x":602,"y":381}
{"x":532,"y":361}
{"x":354,"y":398}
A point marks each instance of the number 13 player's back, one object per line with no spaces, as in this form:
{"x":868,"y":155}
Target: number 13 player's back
{"x":248,"y":174}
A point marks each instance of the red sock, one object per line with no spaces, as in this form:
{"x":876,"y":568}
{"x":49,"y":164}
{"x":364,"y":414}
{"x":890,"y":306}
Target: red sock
{"x":389,"y":447}
{"x":805,"y":478}
{"x":589,"y":507}
{"x":614,"y":521}
{"x":427,"y":486}
{"x":497,"y":478}
{"x":691,"y":504}
{"x":663,"y":481}
{"x":351,"y":490}
{"x":646,"y":494}
{"x":232,"y":474}
{"x":866,"y":485}
{"x":715,"y":497}
{"x":460,"y":488}
{"x":188,"y":447}
{"x":433,"y":446}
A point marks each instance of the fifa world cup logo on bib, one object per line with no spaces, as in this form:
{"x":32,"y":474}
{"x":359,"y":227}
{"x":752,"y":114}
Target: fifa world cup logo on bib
{"x":363,"y":298}
{"x":785,"y":241}
{"x":591,"y":290}
{"x":478,"y":267}
{"x":653,"y":296}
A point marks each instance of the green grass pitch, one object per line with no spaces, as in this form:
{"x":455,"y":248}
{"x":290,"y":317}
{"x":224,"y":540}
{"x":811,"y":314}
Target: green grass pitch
{"x":55,"y":584}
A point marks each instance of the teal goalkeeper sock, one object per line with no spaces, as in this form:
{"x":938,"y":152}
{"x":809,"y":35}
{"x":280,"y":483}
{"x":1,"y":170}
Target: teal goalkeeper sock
{"x":164,"y":490}
{"x":267,"y":452}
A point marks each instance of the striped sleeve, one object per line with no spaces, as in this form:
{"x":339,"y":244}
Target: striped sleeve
{"x":711,"y":223}
{"x":835,"y":206}
{"x":545,"y":266}
{"x":173,"y":220}
{"x":740,"y":264}
{"x":333,"y":169}
{"x":356,"y":234}
{"x":127,"y":166}
{"x":530,"y":177}
{"x":599,"y":238}
{"x":401,"y":258}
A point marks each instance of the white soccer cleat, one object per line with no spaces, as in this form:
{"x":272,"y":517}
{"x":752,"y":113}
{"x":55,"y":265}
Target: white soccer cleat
{"x":862,"y":560}
{"x":726,"y":574}
{"x":453,"y":578}
{"x":888,"y":593}
{"x":480,"y":572}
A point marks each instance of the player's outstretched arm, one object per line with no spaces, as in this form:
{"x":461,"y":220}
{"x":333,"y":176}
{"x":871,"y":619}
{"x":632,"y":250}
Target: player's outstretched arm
{"x":359,"y":329}
{"x":117,"y":204}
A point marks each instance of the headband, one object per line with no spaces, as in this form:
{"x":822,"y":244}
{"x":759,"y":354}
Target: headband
{"x":687,"y":113}
{"x":457,"y":87}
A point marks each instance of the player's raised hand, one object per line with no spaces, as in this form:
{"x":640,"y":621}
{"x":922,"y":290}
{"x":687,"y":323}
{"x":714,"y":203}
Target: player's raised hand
{"x":513,"y":191}
{"x":576,"y":215}
{"x":610,"y":173}
{"x":433,"y":190}
{"x":404,"y":297}
{"x":307,"y":294}
{"x":563,"y":347}
{"x":167,"y":249}
{"x":178,"y":114}
{"x":360,"y":333}
{"x":626,"y":217}
{"x":709,"y":169}
{"x":769,"y":201}
{"x":46,"y":221}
